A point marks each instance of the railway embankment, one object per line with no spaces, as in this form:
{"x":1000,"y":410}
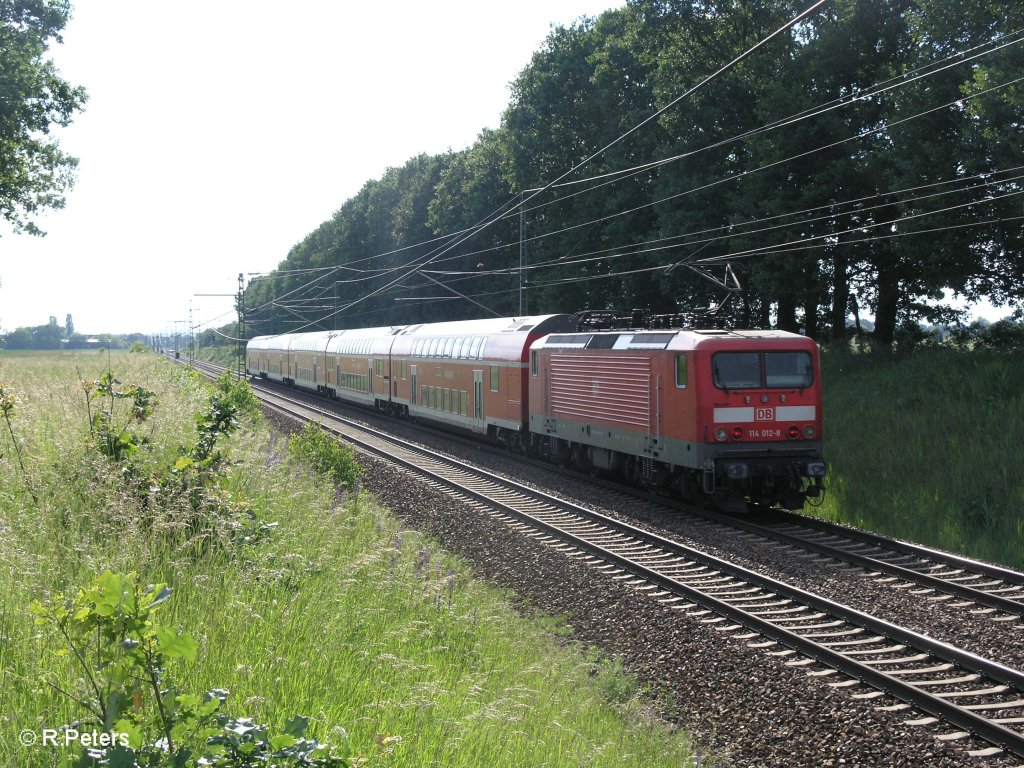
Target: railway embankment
{"x":287,"y":597}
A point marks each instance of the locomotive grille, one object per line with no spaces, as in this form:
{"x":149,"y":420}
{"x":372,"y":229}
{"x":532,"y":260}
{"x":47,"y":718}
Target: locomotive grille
{"x":616,"y":390}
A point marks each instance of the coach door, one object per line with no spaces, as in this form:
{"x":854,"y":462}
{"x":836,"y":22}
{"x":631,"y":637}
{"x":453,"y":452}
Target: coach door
{"x":478,"y":398}
{"x":414,"y":395}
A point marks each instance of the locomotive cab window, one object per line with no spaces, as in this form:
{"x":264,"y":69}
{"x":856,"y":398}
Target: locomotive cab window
{"x":788,"y":370}
{"x":762,"y":370}
{"x":681,"y":371}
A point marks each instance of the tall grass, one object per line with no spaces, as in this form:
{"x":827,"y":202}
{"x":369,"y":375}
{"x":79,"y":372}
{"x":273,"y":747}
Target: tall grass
{"x":929,"y":448}
{"x":339,"y":614}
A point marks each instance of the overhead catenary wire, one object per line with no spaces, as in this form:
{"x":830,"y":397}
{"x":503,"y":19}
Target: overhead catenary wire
{"x":735,"y":177}
{"x":488,"y":221}
{"x":434,"y":258}
{"x":928,"y":70}
{"x":741,"y":229}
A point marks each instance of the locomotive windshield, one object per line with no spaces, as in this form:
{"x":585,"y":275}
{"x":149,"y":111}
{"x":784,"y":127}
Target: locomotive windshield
{"x":762,"y":370}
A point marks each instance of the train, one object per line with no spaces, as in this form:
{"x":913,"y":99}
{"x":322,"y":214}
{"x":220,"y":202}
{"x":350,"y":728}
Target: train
{"x":731,"y":417}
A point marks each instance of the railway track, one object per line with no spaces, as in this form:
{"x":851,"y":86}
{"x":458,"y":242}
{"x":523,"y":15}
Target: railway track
{"x":932,"y":574}
{"x":940,"y":681}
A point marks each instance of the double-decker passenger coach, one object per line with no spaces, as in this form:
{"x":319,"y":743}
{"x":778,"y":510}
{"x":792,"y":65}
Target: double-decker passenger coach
{"x":469,"y":374}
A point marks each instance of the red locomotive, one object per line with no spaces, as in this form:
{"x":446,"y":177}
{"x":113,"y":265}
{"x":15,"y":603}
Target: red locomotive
{"x":734,"y":416}
{"x":731,"y":414}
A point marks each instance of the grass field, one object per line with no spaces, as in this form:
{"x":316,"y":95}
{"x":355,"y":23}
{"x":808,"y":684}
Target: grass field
{"x":929,"y":448}
{"x":385,"y":643}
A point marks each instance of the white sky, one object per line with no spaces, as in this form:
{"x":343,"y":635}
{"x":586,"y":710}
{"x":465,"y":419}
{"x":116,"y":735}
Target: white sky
{"x":218,"y":134}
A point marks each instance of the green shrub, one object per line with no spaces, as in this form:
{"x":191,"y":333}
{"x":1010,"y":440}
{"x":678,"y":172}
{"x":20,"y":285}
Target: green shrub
{"x":238,"y":393}
{"x":121,"y":659}
{"x":318,"y":449}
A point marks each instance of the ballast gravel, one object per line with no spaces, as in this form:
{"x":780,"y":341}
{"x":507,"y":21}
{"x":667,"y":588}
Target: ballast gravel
{"x":744,"y":706}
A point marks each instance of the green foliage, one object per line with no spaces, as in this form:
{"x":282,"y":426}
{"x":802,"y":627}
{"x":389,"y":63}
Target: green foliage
{"x":50,"y":336}
{"x":112,"y":440}
{"x":34,"y":172}
{"x":1004,"y":335}
{"x":952,"y":423}
{"x":878,"y":197}
{"x":8,"y":401}
{"x":121,"y":658}
{"x":138,"y":348}
{"x":317,"y":448}
{"x":193,"y":484}
{"x":238,"y":393}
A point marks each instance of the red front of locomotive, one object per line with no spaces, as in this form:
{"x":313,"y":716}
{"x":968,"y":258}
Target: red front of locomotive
{"x":759,"y":415}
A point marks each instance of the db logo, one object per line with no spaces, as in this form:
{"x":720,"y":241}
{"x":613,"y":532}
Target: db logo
{"x":765,"y":414}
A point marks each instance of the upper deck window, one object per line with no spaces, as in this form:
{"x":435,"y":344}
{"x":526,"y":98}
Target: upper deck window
{"x":762,"y":370}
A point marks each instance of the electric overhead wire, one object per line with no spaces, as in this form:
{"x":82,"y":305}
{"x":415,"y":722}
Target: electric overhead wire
{"x":734,"y":229}
{"x":793,"y":246}
{"x":927,"y":70}
{"x":488,"y":221}
{"x":768,"y":249}
{"x":859,"y":96}
{"x":867,"y":93}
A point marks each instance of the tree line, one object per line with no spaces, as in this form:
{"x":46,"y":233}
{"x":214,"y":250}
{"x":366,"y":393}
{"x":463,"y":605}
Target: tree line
{"x":54,"y":336}
{"x":861,"y":163}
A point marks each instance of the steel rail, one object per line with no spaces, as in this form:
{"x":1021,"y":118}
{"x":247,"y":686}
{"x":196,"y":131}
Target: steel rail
{"x":967,"y":719}
{"x":967,"y":592}
{"x":917,"y":550}
{"x":985,"y":728}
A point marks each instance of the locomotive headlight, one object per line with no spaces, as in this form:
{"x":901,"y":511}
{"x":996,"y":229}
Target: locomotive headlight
{"x":736,"y":433}
{"x":809,"y":431}
{"x":736,"y":471}
{"x":721,"y":434}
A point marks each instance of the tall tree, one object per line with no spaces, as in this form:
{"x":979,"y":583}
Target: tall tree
{"x":34,"y":172}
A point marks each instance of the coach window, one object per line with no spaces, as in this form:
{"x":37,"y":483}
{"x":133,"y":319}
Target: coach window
{"x":681,"y":371}
{"x":533,"y":364}
{"x":474,"y":351}
{"x":495,"y":377}
{"x":449,"y":345}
